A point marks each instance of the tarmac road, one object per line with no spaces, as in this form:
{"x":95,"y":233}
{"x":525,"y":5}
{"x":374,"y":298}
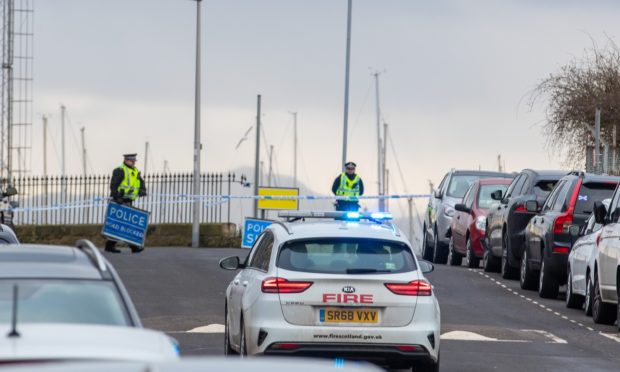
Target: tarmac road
{"x":488,"y":323}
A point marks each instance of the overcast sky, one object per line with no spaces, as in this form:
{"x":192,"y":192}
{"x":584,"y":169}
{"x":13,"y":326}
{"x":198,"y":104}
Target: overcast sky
{"x":455,"y":74}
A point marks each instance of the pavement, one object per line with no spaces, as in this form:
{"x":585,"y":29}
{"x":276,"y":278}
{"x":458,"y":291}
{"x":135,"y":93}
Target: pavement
{"x":488,"y":323}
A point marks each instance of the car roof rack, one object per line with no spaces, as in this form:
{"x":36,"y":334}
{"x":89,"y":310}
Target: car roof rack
{"x":284,"y":225}
{"x":92,"y":252}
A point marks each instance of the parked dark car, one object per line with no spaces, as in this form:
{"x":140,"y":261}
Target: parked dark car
{"x":470,"y":221}
{"x":506,"y":222}
{"x":548,"y":241}
{"x":440,"y":210}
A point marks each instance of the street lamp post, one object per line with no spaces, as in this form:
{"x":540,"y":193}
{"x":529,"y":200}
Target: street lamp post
{"x":197,"y":144}
{"x":346,"y":87}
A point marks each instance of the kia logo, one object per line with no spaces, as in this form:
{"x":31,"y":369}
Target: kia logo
{"x":348,"y":289}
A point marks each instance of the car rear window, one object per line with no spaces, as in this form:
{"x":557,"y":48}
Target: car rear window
{"x":62,"y":301}
{"x":592,"y":192}
{"x":484,"y":195}
{"x":543,"y":188}
{"x":459,"y":184}
{"x":346,"y":256}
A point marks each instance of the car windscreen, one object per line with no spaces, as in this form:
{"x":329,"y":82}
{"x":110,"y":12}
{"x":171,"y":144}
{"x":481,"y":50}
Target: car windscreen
{"x":592,"y":192}
{"x":543,"y":188}
{"x":484,"y":195}
{"x":62,"y":301}
{"x":346,"y":256}
{"x":459,"y":184}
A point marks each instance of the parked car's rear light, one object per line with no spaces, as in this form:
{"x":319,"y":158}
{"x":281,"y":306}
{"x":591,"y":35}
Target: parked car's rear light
{"x":281,"y":285}
{"x":285,"y":346}
{"x":413,"y":288}
{"x":562,"y":223}
{"x":408,"y":348}
{"x":561,"y":250}
{"x":520,"y":208}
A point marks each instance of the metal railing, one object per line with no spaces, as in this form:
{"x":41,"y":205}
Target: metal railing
{"x":79,"y":200}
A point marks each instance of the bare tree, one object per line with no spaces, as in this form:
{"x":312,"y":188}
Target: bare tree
{"x":573,"y":94}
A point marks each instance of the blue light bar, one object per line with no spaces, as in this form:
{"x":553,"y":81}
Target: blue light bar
{"x":353,"y":215}
{"x":380,"y":216}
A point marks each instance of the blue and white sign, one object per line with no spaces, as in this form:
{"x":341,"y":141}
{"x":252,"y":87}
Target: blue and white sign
{"x":252,"y":228}
{"x":126,"y":224}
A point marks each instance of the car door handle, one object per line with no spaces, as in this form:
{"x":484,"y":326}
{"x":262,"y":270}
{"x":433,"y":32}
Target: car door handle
{"x":245,"y":283}
{"x":236,"y":282}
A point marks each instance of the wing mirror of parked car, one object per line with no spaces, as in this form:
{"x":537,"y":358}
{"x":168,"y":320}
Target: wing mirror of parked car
{"x":600,"y":211}
{"x":462,"y":208}
{"x":231,"y":263}
{"x":438,"y":194}
{"x":497,"y":195}
{"x":426,"y":266}
{"x":531,"y":206}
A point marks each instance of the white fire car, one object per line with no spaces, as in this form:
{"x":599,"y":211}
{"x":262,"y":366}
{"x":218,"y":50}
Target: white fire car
{"x":347,"y":286}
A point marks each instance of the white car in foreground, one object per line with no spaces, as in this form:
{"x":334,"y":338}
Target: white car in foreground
{"x":348,"y":286}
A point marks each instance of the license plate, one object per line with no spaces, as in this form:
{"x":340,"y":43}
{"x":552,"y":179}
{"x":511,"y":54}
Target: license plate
{"x":348,"y":315}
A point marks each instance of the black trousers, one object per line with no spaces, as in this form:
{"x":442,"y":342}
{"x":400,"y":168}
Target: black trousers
{"x":111,"y":244}
{"x":347,"y":206}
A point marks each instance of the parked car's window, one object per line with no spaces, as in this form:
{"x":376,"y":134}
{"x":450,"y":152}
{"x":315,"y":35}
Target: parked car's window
{"x":544,"y":187}
{"x":459,"y":185}
{"x":560,"y":201}
{"x":551,"y":199}
{"x":468,"y":199}
{"x":254,"y":249}
{"x":63,"y":301}
{"x":519,"y":185}
{"x":346,"y":256}
{"x":441,"y":184}
{"x":260,"y":260}
{"x":527,"y":180}
{"x":590,"y":193}
{"x":484,"y":195}
{"x":511,"y":187}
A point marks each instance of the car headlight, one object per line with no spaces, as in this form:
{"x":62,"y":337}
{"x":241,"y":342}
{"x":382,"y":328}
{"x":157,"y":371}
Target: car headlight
{"x":448,"y":211}
{"x":481,"y":223}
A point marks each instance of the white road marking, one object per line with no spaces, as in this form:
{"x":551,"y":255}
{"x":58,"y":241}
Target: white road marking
{"x":554,"y":339}
{"x":471,"y":336}
{"x":211,"y":328}
{"x":611,"y":336}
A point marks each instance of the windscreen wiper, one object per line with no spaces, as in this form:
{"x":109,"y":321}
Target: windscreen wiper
{"x":14,"y":332}
{"x":366,"y":271}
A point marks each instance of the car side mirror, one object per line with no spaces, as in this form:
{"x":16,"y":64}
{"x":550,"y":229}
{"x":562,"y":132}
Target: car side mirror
{"x":497,"y":195}
{"x":438,"y":194}
{"x":230,"y":263}
{"x":531,"y":206}
{"x":462,"y":208}
{"x":10,"y":191}
{"x":426,"y":266}
{"x":600,"y":212}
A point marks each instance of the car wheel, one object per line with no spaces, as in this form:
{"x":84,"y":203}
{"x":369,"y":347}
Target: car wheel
{"x":548,"y":286}
{"x":473,"y":262}
{"x":587,"y":304}
{"x":573,"y":301}
{"x":602,"y":312}
{"x":440,"y":256}
{"x":228,"y":350}
{"x":429,"y":366}
{"x":527,"y":276}
{"x":489,"y":263}
{"x":427,"y":252}
{"x":454,"y":258}
{"x":508,"y":272}
{"x":243,"y":349}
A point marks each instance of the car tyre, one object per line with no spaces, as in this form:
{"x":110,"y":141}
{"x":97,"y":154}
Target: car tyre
{"x":573,"y":301}
{"x":427,"y":252}
{"x":473,"y":262}
{"x":527,"y":276}
{"x":602,"y":312}
{"x":490,"y":264}
{"x":548,"y":285}
{"x":428,"y":366}
{"x":243,"y":348}
{"x":454,"y":258}
{"x":587,"y":304}
{"x":440,"y":256}
{"x":508,"y":272}
{"x":228,"y":350}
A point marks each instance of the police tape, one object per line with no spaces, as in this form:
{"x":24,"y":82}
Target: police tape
{"x":219,"y":200}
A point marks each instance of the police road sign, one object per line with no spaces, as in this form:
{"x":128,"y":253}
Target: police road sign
{"x":252,"y":228}
{"x":126,"y":224}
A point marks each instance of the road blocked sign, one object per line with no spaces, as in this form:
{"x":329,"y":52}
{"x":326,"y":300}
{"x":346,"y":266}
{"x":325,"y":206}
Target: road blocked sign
{"x":252,"y":228}
{"x":278,"y":204}
{"x":126,"y":224}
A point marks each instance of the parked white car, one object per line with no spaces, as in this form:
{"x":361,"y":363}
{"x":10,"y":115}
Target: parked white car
{"x":582,"y":263}
{"x":607,"y":267}
{"x":348,"y":286}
